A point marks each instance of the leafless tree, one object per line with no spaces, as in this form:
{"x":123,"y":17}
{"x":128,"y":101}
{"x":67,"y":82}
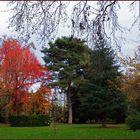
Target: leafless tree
{"x":88,"y":19}
{"x":41,"y":18}
{"x":137,"y":55}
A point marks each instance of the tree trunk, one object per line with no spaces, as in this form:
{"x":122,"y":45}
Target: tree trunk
{"x":103,"y":122}
{"x":69,"y":104}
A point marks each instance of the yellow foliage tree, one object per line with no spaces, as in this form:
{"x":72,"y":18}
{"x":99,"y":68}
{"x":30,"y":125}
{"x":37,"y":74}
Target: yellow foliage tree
{"x":131,"y":81}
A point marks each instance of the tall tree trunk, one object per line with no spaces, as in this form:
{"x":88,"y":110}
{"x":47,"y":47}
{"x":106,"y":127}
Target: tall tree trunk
{"x":69,"y":104}
{"x":64,"y":109}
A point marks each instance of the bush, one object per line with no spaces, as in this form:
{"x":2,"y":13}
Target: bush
{"x":2,"y":119}
{"x":34,"y":120}
{"x":133,"y":121}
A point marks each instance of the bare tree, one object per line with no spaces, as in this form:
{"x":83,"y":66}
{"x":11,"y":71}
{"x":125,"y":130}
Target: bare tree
{"x":41,"y":18}
{"x":88,"y":19}
{"x":137,"y":55}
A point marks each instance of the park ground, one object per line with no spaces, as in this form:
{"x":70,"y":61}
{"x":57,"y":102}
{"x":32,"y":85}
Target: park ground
{"x":65,"y":131}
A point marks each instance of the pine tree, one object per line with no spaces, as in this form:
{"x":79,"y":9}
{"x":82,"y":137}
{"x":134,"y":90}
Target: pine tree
{"x":101,"y":97}
{"x":68,"y":57}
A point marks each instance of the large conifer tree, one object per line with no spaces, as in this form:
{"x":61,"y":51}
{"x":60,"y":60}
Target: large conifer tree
{"x":100,"y":98}
{"x":68,"y":56}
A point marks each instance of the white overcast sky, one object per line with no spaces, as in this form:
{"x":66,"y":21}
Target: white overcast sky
{"x":125,"y":18}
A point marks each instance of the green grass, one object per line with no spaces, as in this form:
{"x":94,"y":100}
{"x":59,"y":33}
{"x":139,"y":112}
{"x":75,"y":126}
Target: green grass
{"x":65,"y":131}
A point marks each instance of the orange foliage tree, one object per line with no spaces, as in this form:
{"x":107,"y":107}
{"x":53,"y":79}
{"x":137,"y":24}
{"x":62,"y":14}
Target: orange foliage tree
{"x":19,"y":70}
{"x":40,"y":101}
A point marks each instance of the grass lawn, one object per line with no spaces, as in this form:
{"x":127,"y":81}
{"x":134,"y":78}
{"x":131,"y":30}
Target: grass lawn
{"x":65,"y":131}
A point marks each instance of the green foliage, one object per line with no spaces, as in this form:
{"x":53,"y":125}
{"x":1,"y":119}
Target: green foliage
{"x":133,"y":120}
{"x":34,"y":120}
{"x":98,"y":103}
{"x":104,"y":67}
{"x":68,"y":56}
{"x":2,"y":119}
{"x":100,"y":98}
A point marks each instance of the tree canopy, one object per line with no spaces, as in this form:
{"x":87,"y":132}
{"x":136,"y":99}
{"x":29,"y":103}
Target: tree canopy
{"x":19,"y":70}
{"x":63,"y":57}
{"x":100,"y":97}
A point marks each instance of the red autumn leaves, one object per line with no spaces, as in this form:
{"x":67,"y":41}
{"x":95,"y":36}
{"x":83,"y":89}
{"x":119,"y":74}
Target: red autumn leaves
{"x":19,"y":70}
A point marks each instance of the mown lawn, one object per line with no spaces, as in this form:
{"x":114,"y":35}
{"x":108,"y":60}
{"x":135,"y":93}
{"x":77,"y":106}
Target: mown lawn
{"x":65,"y":131}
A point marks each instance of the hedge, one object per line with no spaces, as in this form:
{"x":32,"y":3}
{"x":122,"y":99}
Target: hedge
{"x":33,"y":120}
{"x":2,"y":119}
{"x":133,"y":121}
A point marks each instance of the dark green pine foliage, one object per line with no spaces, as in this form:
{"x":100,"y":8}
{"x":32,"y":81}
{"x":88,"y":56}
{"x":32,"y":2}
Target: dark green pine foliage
{"x":104,"y":67}
{"x":68,"y":57}
{"x":100,"y":98}
{"x":102,"y":103}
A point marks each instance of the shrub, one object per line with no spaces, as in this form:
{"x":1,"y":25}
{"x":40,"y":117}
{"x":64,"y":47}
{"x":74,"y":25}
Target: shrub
{"x":133,"y":121}
{"x":2,"y":119}
{"x":33,"y":120}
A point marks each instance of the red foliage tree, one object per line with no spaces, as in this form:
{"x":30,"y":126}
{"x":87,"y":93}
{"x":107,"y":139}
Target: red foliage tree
{"x":19,"y":70}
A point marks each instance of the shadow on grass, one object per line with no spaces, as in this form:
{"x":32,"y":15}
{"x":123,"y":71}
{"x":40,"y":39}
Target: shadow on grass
{"x":100,"y":126}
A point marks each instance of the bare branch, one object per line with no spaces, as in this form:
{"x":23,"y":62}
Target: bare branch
{"x":89,"y":20}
